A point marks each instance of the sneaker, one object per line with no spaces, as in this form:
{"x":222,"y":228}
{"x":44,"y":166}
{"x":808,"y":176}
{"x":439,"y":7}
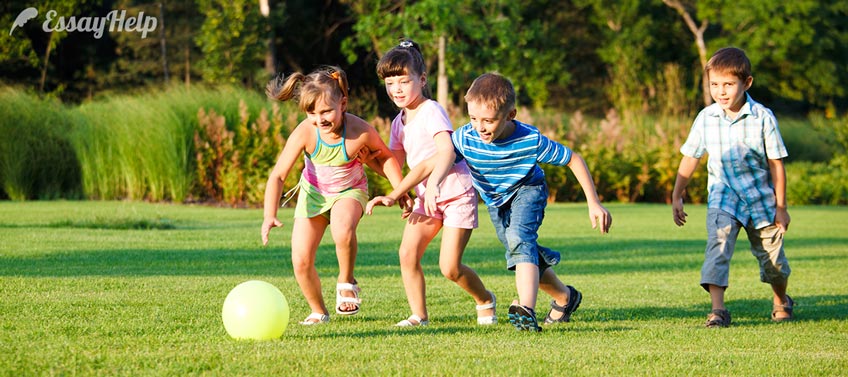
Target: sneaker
{"x":523,"y":318}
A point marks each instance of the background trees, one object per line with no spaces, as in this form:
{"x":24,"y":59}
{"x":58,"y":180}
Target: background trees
{"x":588,"y":55}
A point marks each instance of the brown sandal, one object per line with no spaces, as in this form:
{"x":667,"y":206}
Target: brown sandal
{"x":718,"y":318}
{"x":783,"y":309}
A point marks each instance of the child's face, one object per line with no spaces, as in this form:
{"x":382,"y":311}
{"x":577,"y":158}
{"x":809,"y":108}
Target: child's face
{"x":405,"y":91}
{"x":326,"y":116}
{"x":489,"y":123}
{"x":728,"y":91}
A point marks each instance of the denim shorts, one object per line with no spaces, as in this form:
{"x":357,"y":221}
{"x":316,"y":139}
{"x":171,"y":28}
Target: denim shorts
{"x":517,"y":224}
{"x":766,"y":246}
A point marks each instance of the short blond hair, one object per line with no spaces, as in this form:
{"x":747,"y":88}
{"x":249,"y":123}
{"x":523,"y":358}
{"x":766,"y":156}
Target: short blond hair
{"x":493,"y":91}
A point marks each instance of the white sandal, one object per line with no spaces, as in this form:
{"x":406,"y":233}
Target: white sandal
{"x":347,"y":300}
{"x":412,"y":321}
{"x":488,"y":320}
{"x":320,"y":319}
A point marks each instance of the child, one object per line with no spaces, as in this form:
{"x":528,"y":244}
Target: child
{"x":421,"y":130}
{"x":502,"y":155}
{"x":747,"y":183}
{"x":333,"y":187}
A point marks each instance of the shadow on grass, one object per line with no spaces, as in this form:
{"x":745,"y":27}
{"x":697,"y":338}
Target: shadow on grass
{"x":374,"y":259}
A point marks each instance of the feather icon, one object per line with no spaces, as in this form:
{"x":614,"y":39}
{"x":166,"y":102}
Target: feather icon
{"x":23,"y":17}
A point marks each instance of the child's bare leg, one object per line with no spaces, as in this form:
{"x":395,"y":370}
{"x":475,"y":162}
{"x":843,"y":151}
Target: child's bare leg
{"x":527,"y":283}
{"x":344,"y":218}
{"x":550,"y":284}
{"x":780,"y":298}
{"x":717,"y":296}
{"x":306,"y":235}
{"x":454,"y":241}
{"x":417,"y":234}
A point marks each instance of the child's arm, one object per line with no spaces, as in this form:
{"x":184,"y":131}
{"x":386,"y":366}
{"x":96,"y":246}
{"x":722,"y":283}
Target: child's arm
{"x":415,"y":176}
{"x":274,"y":187}
{"x":778,"y":175}
{"x":598,"y":215}
{"x":684,"y":173}
{"x":441,"y":164}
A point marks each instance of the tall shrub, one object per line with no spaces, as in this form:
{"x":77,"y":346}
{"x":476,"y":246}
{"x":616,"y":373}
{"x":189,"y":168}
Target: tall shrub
{"x":37,"y":160}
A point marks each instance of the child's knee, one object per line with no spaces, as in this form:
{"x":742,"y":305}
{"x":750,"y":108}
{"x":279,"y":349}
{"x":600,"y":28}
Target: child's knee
{"x":451,"y":272}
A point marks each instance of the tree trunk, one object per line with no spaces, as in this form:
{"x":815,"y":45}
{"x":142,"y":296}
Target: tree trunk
{"x":698,"y":32}
{"x":442,"y":80}
{"x":46,"y":62}
{"x":162,"y":43}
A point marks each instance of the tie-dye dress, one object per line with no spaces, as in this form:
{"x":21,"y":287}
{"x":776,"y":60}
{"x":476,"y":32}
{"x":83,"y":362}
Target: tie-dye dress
{"x":329,"y":175}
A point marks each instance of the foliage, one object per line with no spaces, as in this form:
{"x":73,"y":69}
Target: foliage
{"x":230,"y":39}
{"x":786,"y":42}
{"x":37,"y":160}
{"x":147,"y":301}
{"x":233,"y":165}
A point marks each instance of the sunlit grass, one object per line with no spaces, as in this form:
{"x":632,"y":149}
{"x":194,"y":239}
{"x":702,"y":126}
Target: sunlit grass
{"x":114,"y":299}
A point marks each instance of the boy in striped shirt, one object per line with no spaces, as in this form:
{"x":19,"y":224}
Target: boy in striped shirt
{"x":503,"y":156}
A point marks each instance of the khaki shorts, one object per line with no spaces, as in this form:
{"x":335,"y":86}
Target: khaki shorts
{"x":766,"y":246}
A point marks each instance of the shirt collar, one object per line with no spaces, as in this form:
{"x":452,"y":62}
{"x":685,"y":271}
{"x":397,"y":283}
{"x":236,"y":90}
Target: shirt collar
{"x":716,"y":111}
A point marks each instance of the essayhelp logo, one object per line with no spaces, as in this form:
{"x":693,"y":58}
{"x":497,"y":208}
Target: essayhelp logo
{"x":114,"y":21}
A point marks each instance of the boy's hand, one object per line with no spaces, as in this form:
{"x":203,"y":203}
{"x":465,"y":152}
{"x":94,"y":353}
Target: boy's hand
{"x":266,"y":228}
{"x":600,"y":216}
{"x":782,"y":219}
{"x":379,"y":201}
{"x":677,"y":212}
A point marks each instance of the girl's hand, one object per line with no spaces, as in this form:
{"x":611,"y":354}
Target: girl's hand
{"x":266,"y":228}
{"x":366,"y":155}
{"x":379,"y":200}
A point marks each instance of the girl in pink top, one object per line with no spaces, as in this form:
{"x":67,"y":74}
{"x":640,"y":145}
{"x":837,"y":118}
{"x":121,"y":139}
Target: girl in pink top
{"x":421,"y":130}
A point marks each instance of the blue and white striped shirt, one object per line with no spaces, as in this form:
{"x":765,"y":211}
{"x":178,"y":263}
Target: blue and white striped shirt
{"x":500,"y":168}
{"x":739,"y":181}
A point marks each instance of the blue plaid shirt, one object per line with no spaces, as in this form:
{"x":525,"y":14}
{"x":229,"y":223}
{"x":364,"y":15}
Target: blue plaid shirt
{"x":739,"y":181}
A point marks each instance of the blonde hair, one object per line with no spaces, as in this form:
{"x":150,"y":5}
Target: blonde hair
{"x":404,"y":59}
{"x":730,"y":60}
{"x":328,"y":82}
{"x":494,"y":91}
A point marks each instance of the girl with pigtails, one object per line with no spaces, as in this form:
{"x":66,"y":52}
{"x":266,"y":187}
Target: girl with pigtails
{"x":333,"y":188}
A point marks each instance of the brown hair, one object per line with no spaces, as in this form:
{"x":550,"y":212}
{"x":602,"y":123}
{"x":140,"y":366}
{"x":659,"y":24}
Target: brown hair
{"x":494,"y":91}
{"x":403,"y":59}
{"x":730,"y":60}
{"x":329,"y":82}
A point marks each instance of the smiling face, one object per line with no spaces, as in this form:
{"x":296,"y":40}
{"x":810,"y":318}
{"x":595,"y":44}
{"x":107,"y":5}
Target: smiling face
{"x":406,"y":90}
{"x":327,"y":117}
{"x":489,"y":123}
{"x":728,"y":91}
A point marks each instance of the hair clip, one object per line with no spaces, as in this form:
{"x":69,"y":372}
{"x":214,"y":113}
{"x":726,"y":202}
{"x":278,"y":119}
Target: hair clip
{"x":405,"y":44}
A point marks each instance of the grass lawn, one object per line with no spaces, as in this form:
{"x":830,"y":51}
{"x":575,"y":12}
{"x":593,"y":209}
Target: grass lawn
{"x":125,"y":288}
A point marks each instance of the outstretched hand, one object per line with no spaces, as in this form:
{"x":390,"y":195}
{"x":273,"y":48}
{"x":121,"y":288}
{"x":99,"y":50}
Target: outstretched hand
{"x":266,"y":228}
{"x":600,"y":218}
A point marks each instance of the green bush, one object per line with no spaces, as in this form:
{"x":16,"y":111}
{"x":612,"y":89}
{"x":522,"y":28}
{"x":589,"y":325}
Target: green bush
{"x":818,"y":182}
{"x":37,"y":160}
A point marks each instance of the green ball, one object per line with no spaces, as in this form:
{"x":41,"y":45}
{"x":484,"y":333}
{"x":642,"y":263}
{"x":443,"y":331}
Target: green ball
{"x":255,"y":310}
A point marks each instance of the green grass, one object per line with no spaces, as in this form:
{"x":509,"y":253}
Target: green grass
{"x":126,"y":288}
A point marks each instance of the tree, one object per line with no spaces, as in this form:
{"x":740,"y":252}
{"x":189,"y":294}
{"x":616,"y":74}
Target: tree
{"x":231,"y":41}
{"x":698,"y":31}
